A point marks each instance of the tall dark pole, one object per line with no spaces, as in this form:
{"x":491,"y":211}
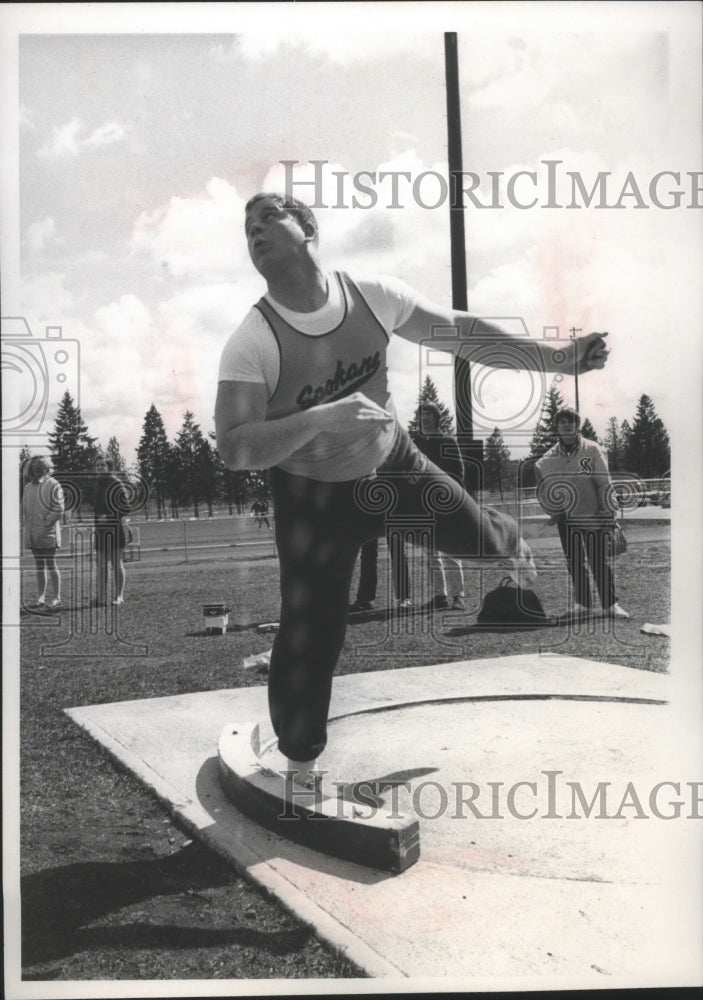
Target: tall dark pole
{"x":472,"y":451}
{"x":573,"y":331}
{"x":457,"y":234}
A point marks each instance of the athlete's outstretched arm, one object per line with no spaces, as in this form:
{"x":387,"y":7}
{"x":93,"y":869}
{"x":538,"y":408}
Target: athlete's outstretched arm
{"x":247,"y":440}
{"x":578,"y":356}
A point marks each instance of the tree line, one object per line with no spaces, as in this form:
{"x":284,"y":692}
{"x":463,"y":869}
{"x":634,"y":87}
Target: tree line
{"x":184,"y":474}
{"x":641,"y":448}
{"x":188,"y":473}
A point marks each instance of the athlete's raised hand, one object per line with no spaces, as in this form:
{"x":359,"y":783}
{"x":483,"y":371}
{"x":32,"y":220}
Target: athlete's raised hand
{"x":587,"y":353}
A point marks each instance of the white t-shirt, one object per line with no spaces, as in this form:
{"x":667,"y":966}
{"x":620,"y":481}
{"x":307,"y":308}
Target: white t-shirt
{"x":251,"y":353}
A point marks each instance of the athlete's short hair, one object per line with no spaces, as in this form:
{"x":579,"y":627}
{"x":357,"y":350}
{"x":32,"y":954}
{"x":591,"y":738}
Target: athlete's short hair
{"x":567,"y":414}
{"x":301,"y":212}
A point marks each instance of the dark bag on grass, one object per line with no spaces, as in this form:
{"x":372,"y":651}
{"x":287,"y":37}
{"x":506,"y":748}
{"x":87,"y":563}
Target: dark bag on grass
{"x":511,"y":607}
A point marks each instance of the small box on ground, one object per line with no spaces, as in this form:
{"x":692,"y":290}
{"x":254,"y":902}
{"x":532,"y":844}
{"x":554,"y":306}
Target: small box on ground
{"x":216,"y":618}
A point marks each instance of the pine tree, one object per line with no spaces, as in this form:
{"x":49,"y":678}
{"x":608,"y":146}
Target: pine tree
{"x":24,"y":457}
{"x":429,"y":394}
{"x":234,"y":488}
{"x":232,"y":484}
{"x":72,"y":447}
{"x":208,"y":473}
{"x":626,"y":434}
{"x":190,"y":465}
{"x":175,"y":488}
{"x":153,"y":458}
{"x":613,"y":443}
{"x":648,"y":452}
{"x":588,"y":431}
{"x":497,"y":467}
{"x":545,"y":434}
{"x":112,"y":454}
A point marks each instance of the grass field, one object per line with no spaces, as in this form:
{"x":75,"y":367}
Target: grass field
{"x":111,"y":888}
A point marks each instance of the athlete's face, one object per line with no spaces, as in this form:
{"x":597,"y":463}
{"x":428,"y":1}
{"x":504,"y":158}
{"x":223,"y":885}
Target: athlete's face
{"x":273,"y":236}
{"x":568,"y":432}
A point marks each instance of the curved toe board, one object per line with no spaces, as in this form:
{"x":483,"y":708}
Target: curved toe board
{"x":314,"y":818}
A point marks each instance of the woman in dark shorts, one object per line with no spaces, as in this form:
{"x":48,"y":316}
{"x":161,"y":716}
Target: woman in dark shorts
{"x":110,"y":504}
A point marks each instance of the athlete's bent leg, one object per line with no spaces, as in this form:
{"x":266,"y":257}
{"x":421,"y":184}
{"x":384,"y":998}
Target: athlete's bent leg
{"x":461,"y":527}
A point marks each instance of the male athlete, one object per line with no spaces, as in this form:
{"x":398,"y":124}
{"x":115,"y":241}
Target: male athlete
{"x":303,"y":391}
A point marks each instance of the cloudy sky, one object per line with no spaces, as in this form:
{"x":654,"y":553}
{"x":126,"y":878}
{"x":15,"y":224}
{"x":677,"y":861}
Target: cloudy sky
{"x":137,"y":152}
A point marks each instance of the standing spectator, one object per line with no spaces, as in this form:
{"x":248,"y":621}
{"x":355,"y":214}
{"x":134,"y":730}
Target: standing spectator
{"x":42,"y":507}
{"x":574,"y":487}
{"x":446,"y":573}
{"x":110,"y":504}
{"x":260,"y":510}
{"x":368,"y":577}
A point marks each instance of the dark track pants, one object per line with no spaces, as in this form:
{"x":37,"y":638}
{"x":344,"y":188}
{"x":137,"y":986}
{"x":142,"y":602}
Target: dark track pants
{"x":589,"y":544}
{"x":368,"y":571}
{"x":320,"y":528}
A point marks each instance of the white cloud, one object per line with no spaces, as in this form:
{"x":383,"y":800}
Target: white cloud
{"x":213,"y":310}
{"x":105,"y":135}
{"x":529,"y":69}
{"x":403,"y":140}
{"x":46,"y":299}
{"x":47,"y":302}
{"x":342,"y":47}
{"x":350,"y":46}
{"x":488,"y":59}
{"x":197,"y":236}
{"x":25,"y":116}
{"x":66,"y":140}
{"x":134,"y":356}
{"x":40,"y":236}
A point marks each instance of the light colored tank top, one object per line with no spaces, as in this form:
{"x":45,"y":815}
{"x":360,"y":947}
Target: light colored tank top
{"x":324,"y":368}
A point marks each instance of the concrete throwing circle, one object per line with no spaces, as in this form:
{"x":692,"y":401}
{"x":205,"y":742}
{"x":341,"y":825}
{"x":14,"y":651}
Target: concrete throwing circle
{"x":549,"y":786}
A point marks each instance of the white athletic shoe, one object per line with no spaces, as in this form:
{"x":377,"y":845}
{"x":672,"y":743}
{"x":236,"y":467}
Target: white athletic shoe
{"x":579,"y":610}
{"x":521,"y":568}
{"x":615,"y":611}
{"x":307,"y":775}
